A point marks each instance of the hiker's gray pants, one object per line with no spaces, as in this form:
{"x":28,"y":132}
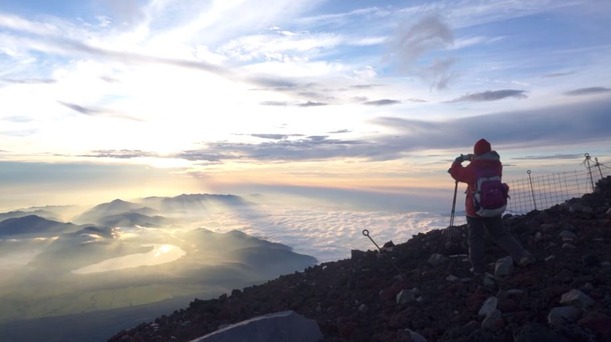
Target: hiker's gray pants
{"x":493,"y":226}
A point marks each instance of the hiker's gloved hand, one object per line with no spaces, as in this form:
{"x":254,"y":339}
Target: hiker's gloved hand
{"x":462,"y":158}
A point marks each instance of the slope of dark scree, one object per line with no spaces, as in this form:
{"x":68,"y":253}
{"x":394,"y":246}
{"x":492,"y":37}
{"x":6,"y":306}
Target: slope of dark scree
{"x":355,"y":299}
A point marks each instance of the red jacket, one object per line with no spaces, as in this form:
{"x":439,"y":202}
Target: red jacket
{"x":467,"y":174}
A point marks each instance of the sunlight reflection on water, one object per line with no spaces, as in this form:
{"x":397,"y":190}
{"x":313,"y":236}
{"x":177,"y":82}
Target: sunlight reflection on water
{"x":160,"y":254}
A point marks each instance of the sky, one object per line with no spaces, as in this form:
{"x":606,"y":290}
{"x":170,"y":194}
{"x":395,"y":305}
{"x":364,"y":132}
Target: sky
{"x":351,"y":102}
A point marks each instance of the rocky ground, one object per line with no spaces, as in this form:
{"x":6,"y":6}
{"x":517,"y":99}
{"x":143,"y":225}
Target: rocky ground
{"x":424,"y":286}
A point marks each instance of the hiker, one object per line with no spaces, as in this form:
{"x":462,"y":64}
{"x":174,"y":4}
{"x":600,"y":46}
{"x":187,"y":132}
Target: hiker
{"x":485,"y":161}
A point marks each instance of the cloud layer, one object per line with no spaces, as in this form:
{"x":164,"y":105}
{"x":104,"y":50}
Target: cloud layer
{"x":299,"y":88}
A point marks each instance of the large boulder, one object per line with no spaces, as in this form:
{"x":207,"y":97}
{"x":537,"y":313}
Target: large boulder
{"x":285,"y":326}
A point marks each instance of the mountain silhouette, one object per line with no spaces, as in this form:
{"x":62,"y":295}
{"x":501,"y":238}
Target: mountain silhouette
{"x":21,"y":213}
{"x":108,"y":277}
{"x":132,"y":219}
{"x":33,"y":225}
{"x":100,"y":212}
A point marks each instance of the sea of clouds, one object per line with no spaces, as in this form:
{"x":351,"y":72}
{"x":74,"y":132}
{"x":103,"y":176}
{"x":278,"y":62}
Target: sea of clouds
{"x":324,"y":233}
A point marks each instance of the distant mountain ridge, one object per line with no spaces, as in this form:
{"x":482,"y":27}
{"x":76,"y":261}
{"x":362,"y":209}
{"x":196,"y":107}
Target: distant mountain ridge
{"x":151,"y":210}
{"x":132,"y":219}
{"x":34,"y":225}
{"x":21,"y":213}
{"x":126,"y":255}
{"x":116,"y":207}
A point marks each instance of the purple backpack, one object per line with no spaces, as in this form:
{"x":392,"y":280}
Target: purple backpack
{"x":490,"y":196}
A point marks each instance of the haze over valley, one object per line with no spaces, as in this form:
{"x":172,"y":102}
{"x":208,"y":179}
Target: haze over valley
{"x":164,"y":251}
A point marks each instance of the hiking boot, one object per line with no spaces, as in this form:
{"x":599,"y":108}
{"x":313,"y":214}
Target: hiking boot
{"x":485,"y":281}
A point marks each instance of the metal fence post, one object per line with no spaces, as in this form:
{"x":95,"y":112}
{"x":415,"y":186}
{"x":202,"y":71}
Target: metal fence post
{"x":532,"y":191}
{"x":598,"y":166}
{"x":587,"y":162}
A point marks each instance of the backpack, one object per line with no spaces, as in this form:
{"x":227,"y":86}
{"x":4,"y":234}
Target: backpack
{"x":490,"y":196}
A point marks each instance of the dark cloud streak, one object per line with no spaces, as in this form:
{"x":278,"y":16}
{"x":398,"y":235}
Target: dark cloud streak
{"x":491,"y":95}
{"x":312,"y":104}
{"x":29,"y":81}
{"x":383,"y":102}
{"x":274,"y":103}
{"x":558,"y":74}
{"x":551,"y":156}
{"x":81,"y":109}
{"x":91,"y":111}
{"x":552,"y":126}
{"x":271,"y":136}
{"x":588,"y":91}
{"x":119,"y":154}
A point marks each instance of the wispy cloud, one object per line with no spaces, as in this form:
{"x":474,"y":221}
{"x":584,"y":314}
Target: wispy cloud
{"x":561,"y":156}
{"x":81,"y":109}
{"x":383,"y":102}
{"x":588,"y":91}
{"x":275,"y":136}
{"x":312,"y":104}
{"x":135,"y":61}
{"x":429,"y":33}
{"x":92,"y":111}
{"x":119,"y":154}
{"x":550,"y":126}
{"x":29,"y":81}
{"x":411,"y":43}
{"x":309,"y":148}
{"x":208,"y":155}
{"x":558,"y":74}
{"x":492,"y":95}
{"x":274,"y":103}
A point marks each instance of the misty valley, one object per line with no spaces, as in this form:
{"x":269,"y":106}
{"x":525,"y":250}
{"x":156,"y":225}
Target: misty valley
{"x":120,"y":256}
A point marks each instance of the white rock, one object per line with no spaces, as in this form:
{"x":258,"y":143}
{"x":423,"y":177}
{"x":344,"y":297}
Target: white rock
{"x":563,"y":315}
{"x":451,"y":278}
{"x":568,"y":246}
{"x":406,"y":297}
{"x":488,"y":307}
{"x":503,"y":267}
{"x":413,"y":336}
{"x":577,"y":298}
{"x":437,"y":259}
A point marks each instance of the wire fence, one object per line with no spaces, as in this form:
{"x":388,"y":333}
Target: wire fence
{"x":539,"y":192}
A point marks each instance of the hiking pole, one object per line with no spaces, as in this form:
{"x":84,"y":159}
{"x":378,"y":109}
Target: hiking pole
{"x":452,"y":214}
{"x":366,"y":233}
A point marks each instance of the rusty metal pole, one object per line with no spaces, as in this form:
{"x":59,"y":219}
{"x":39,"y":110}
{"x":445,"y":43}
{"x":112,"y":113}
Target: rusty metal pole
{"x":532,"y":190}
{"x":587,"y":161}
{"x":366,"y":233}
{"x":598,"y":166}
